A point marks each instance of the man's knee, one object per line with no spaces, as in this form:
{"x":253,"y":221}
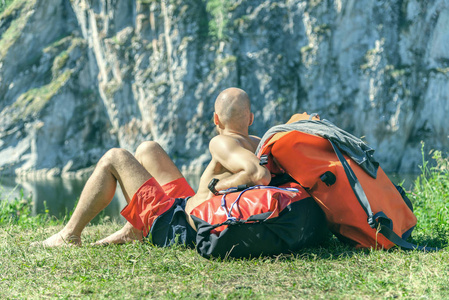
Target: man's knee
{"x":148,"y":149}
{"x":114,"y":156}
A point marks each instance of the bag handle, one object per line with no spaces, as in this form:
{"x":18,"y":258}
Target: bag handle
{"x":229,"y":216}
{"x":373,"y":219}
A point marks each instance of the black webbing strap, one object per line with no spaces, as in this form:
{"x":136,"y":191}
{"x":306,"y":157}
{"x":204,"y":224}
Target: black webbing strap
{"x":356,"y":186}
{"x":364,"y":202}
{"x":394,"y":238}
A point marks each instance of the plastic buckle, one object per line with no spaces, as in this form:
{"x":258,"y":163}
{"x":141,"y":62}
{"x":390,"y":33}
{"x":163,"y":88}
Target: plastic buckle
{"x":263,"y":160}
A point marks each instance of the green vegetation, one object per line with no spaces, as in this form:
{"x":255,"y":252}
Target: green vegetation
{"x":218,"y":25}
{"x":306,"y":49}
{"x":397,"y":73}
{"x":59,"y":62}
{"x":314,"y":3}
{"x":225,"y":61}
{"x":4,"y":4}
{"x":18,"y":213}
{"x":431,"y":197}
{"x":322,"y":29}
{"x":136,"y":271}
{"x":442,"y":70}
{"x":62,"y":49}
{"x":111,"y":88}
{"x":10,"y":9}
{"x":59,"y":44}
{"x":147,"y":1}
{"x":12,"y":33}
{"x":34,"y":100}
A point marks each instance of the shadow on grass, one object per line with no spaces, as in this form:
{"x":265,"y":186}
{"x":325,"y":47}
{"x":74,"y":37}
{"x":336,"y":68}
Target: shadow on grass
{"x":334,"y":249}
{"x":439,"y":241}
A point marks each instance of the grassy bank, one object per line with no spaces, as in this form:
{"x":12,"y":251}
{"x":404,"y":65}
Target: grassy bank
{"x":143,"y":271}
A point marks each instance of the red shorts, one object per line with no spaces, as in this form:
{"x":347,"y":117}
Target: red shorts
{"x":152,"y":200}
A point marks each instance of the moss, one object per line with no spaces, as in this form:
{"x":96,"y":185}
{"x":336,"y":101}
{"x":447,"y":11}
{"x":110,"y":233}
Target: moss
{"x":280,"y":101}
{"x":115,"y":40}
{"x":220,"y":63}
{"x":218,"y":24}
{"x":314,"y":3}
{"x":4,"y":5}
{"x":11,"y":7}
{"x":306,"y":49}
{"x":397,"y":73}
{"x":442,"y":70}
{"x":34,"y":100}
{"x":364,"y":67}
{"x":59,"y":62}
{"x":183,"y":10}
{"x":111,"y":88}
{"x":149,"y":46}
{"x":12,"y":34}
{"x":322,"y":29}
{"x":234,"y":6}
{"x":58,"y":44}
{"x":62,"y":49}
{"x":239,"y":22}
{"x":17,"y":8}
{"x":158,"y":84}
{"x":369,"y":55}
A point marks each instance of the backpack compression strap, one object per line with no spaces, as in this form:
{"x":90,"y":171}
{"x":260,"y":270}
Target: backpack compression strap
{"x":378,"y":220}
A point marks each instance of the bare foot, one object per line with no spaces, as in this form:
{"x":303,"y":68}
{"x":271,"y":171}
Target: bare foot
{"x":59,"y":240}
{"x":125,"y":235}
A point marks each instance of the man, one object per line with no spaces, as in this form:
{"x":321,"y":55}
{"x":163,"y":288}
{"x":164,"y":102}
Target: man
{"x":158,"y":186}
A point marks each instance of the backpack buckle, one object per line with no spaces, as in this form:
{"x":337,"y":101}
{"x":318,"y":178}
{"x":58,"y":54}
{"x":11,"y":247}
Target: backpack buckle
{"x":263,"y":160}
{"x":372,"y":222}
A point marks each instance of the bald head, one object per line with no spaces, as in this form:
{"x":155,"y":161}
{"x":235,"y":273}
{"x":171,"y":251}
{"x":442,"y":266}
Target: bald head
{"x":233,"y":108}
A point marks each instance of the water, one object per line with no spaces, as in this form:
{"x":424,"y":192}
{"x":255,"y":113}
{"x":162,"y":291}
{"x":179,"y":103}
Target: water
{"x":57,"y":195}
{"x":60,"y":195}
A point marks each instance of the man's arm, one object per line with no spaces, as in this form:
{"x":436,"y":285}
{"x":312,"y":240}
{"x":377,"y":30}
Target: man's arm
{"x":242,"y":163}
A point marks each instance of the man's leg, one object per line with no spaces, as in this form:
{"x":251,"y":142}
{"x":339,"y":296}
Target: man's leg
{"x":116,"y":165}
{"x":157,"y":162}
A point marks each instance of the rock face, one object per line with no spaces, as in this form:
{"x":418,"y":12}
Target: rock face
{"x":78,"y":77}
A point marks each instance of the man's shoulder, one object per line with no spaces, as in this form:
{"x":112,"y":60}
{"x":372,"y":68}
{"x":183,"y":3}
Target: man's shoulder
{"x":231,"y":143}
{"x":255,"y":138}
{"x":224,"y":137}
{"x":222,"y":140}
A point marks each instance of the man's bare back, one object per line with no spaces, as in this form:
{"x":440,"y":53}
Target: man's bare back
{"x":233,"y":160}
{"x":233,"y":163}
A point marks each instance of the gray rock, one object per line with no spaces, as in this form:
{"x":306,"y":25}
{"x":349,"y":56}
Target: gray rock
{"x":79,"y":77}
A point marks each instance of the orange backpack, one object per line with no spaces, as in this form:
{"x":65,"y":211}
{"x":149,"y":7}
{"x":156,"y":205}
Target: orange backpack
{"x":360,"y":209}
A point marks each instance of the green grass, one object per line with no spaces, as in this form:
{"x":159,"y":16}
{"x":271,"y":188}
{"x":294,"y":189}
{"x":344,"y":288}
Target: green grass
{"x":135,"y":271}
{"x":430,"y":197}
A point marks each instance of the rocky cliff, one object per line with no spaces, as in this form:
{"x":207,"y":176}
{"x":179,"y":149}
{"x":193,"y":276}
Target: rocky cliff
{"x":78,"y":77}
